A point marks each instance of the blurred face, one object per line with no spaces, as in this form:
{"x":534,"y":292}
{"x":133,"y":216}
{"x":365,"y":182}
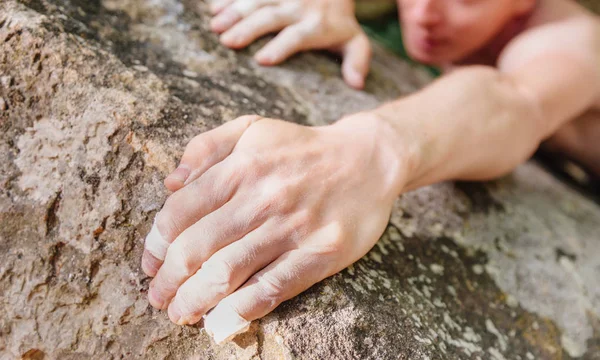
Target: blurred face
{"x":443,"y":31}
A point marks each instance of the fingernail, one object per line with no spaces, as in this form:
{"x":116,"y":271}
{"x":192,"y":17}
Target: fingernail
{"x":175,"y":313}
{"x":223,"y":323}
{"x":150,"y":264}
{"x":156,"y":299}
{"x":181,"y":173}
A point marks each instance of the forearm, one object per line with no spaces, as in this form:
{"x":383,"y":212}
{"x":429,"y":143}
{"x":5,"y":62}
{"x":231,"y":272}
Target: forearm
{"x":473,"y":124}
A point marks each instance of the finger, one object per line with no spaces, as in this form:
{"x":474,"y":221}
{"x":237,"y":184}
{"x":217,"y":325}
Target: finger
{"x":226,"y":270}
{"x":198,"y":242}
{"x":357,"y":58}
{"x":292,"y":273}
{"x":236,"y":11}
{"x":188,"y":205}
{"x":225,"y":19}
{"x":261,"y":22}
{"x":217,"y":6}
{"x":207,"y":149}
{"x":288,"y":42}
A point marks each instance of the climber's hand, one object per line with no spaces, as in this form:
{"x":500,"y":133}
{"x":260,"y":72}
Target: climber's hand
{"x":262,"y":210}
{"x":304,"y":25}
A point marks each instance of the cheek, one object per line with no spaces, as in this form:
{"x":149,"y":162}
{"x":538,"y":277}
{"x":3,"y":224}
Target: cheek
{"x":467,"y":35}
{"x":474,"y":31}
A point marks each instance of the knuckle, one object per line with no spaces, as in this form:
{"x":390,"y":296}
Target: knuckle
{"x":166,"y":223}
{"x":202,"y":144}
{"x":244,"y":160}
{"x":179,"y":255}
{"x":220,"y":275}
{"x":249,"y":118}
{"x":247,"y":164}
{"x":314,"y":22}
{"x":281,"y":11}
{"x":273,"y":288}
{"x":305,"y":219}
{"x":300,"y":223}
{"x":269,"y":11}
{"x":334,"y":240}
{"x":276,"y":195}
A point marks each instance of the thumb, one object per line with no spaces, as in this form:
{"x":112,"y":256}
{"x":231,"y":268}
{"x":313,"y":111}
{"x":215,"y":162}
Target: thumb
{"x":207,"y":149}
{"x":357,"y":58}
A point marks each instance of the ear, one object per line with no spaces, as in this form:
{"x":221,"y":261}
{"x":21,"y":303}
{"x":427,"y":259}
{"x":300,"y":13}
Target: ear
{"x":523,"y":7}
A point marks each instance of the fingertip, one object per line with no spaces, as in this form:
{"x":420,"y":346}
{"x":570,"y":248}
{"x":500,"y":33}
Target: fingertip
{"x":155,"y":299}
{"x":150,"y":264}
{"x":216,"y":26}
{"x":357,"y":58}
{"x":262,"y":59}
{"x":176,"y":180}
{"x":354,"y":78}
{"x":225,"y":20}
{"x":358,"y":85}
{"x":177,"y":315}
{"x":174,"y":312}
{"x":223,"y":322}
{"x":231,"y":40}
{"x":266,"y":58}
{"x":172,"y":184}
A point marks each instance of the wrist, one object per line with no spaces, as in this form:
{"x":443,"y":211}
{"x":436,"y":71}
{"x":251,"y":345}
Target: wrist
{"x":417,"y":140}
{"x":393,"y":157}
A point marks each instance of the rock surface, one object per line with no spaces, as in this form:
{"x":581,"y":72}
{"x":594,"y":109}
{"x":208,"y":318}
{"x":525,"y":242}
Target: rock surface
{"x":97,"y":101}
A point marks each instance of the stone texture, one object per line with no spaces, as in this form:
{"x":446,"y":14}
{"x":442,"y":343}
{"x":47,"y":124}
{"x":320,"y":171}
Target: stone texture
{"x":98,"y":100}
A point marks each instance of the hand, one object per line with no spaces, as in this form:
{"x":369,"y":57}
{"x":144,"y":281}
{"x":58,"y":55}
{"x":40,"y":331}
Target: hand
{"x":305,"y":24}
{"x":262,"y":210}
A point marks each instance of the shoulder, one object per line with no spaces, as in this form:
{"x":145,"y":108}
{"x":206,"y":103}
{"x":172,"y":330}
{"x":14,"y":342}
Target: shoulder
{"x":560,"y":31}
{"x":556,"y":26}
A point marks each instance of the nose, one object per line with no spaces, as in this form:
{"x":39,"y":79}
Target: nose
{"x":428,"y":13}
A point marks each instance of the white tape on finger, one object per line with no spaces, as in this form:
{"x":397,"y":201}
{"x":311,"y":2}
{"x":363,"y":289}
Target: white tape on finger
{"x":156,"y":244}
{"x":223,"y":323}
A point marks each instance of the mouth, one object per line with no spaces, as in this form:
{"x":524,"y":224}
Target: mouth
{"x":429,"y":44}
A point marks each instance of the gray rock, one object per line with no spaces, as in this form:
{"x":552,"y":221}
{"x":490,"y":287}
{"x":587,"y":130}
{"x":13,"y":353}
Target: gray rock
{"x":100,"y":97}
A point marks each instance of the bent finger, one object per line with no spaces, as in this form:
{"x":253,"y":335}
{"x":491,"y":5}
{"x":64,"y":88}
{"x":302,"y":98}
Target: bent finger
{"x":289,"y":41}
{"x":262,"y":22}
{"x":206,"y":150}
{"x":188,"y":205}
{"x":225,"y":271}
{"x":236,"y":11}
{"x":357,"y":58}
{"x":199,"y":242}
{"x":217,"y":6}
{"x":292,"y":273}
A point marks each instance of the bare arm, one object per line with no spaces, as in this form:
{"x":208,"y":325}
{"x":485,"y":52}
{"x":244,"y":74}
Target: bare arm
{"x":479,"y":122}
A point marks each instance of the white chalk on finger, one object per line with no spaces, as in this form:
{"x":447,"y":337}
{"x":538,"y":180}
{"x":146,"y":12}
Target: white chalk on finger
{"x":223,"y":323}
{"x":156,"y":244}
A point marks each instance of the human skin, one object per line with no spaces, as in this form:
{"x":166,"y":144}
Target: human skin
{"x":262,"y":209}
